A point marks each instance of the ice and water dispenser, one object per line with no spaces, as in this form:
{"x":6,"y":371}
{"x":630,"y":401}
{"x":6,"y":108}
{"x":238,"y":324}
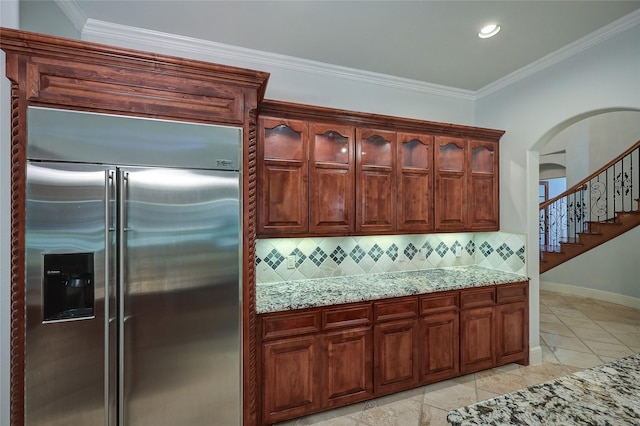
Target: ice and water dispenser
{"x":68,"y":286}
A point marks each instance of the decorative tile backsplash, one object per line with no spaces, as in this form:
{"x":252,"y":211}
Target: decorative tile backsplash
{"x":338,"y":256}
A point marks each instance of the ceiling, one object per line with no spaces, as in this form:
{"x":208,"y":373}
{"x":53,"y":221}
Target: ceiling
{"x":430,"y":41}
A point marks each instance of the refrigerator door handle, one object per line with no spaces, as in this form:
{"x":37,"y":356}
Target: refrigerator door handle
{"x":121,"y":195}
{"x":108,"y":182}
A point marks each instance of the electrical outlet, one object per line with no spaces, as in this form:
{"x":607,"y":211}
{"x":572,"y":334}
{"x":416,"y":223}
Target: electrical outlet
{"x":401,"y":257}
{"x":458,"y":251}
{"x":291,"y":262}
{"x":421,"y":253}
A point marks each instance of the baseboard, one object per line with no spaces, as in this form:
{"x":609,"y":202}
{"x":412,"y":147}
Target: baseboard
{"x":620,"y":299}
{"x":535,"y":356}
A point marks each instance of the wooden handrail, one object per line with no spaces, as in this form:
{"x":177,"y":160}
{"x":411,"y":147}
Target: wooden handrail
{"x":582,"y":185}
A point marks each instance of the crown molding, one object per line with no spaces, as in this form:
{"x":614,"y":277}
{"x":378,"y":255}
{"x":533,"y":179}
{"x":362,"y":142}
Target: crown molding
{"x":73,"y":12}
{"x":616,"y":27}
{"x":212,"y":51}
{"x":102,"y":31}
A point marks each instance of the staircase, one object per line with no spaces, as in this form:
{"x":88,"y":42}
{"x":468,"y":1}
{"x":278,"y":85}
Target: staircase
{"x":599,"y":208}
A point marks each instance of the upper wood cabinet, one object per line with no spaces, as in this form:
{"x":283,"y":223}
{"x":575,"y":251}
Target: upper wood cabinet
{"x":415,"y":182}
{"x":331,"y":179}
{"x":362,"y":174}
{"x":451,"y":184}
{"x":283,"y":199}
{"x":484,"y":202}
{"x":376,"y":180}
{"x":466,"y":185}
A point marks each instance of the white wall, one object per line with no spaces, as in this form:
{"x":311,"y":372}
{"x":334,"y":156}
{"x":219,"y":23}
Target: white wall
{"x":533,"y":110}
{"x":610,"y":135}
{"x":9,"y":19}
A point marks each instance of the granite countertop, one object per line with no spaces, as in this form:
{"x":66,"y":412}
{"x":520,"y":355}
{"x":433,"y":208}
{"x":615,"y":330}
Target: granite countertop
{"x":289,"y":295}
{"x":608,"y":394}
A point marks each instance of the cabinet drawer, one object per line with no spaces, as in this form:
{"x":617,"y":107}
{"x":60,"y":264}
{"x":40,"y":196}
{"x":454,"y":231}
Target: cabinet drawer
{"x":477,"y":297}
{"x":508,"y":293}
{"x":348,"y":316}
{"x":290,"y":324}
{"x":397,"y":309}
{"x":438,"y":303}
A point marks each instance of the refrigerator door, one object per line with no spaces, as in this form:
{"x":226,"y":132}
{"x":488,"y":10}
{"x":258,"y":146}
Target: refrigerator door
{"x":180,"y":314}
{"x":66,"y":344}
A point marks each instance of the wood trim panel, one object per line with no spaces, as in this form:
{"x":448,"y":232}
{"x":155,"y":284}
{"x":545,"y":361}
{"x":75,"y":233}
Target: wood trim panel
{"x":395,"y":309}
{"x":439,"y":303}
{"x":347,"y":316}
{"x":475,"y":298}
{"x":290,"y":324}
{"x":63,"y":73}
{"x":383,"y":122}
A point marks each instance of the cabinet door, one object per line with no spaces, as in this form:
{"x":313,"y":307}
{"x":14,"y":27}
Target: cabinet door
{"x":512,"y":333}
{"x":347,"y":366}
{"x":484,"y":203}
{"x":439,"y":347}
{"x":376,"y":180}
{"x":451,"y":184}
{"x":290,"y":377}
{"x":415,"y":182}
{"x":477,"y":339}
{"x":396,"y":357}
{"x":331,"y":180}
{"x":283,"y":202}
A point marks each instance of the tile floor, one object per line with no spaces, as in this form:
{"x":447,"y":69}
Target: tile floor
{"x":575,"y":333}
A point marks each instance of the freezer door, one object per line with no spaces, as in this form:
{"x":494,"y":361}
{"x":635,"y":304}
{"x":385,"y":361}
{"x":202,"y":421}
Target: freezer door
{"x":66,"y":225}
{"x":181,"y":300}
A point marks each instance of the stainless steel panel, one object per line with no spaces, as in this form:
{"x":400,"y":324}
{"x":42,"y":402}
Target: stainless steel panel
{"x":64,"y":378}
{"x":181,"y":310}
{"x":74,"y":136}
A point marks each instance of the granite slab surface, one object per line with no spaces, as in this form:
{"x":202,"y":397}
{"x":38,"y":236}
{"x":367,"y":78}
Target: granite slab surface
{"x":607,"y":394}
{"x":290,"y":295}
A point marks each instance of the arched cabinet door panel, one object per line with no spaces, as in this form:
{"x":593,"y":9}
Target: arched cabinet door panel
{"x":484,"y":202}
{"x":415,"y":182}
{"x":331,"y":179}
{"x":283,"y":172}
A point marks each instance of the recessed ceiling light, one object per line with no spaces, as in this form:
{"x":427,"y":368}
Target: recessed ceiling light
{"x":489,"y":31}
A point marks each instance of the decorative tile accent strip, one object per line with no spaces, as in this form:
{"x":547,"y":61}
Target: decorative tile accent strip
{"x":347,"y":256}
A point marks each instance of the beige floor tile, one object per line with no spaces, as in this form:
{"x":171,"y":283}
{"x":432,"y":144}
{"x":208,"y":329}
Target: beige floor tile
{"x":556,"y":328}
{"x":581,"y":360}
{"x":618,"y":327}
{"x":449,"y":395}
{"x":579,"y":322}
{"x":402,"y":412}
{"x":567,"y":312}
{"x":544,"y":309}
{"x":534,"y":374}
{"x":550,"y":318}
{"x":595,"y":335}
{"x":630,"y":339}
{"x":432,"y":416}
{"x":485,"y":394}
{"x":502,"y":383}
{"x":598,"y":315}
{"x":564,"y":342}
{"x":608,"y":350}
{"x":554,"y":300}
{"x":548,"y":357}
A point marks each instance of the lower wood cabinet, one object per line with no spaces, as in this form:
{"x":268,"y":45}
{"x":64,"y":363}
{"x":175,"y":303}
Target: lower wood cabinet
{"x":291,"y":368}
{"x":477,"y":339}
{"x":439,"y":347}
{"x":321,"y":358}
{"x":346,"y":367}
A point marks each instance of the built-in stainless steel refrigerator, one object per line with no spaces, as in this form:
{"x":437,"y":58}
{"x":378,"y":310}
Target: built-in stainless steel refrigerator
{"x":132,"y":275}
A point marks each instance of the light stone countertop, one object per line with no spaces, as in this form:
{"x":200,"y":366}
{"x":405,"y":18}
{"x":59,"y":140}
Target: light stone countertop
{"x":608,"y":394}
{"x":290,"y":295}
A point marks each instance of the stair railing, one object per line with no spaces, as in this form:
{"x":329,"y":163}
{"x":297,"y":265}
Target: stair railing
{"x":612,"y":188}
